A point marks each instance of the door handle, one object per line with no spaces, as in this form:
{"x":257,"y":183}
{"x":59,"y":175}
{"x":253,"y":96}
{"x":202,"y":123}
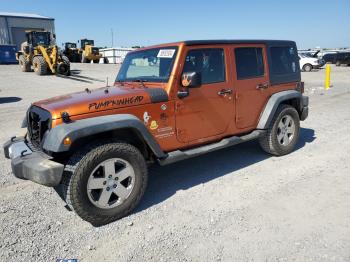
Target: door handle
{"x":223,"y":92}
{"x":262,"y":86}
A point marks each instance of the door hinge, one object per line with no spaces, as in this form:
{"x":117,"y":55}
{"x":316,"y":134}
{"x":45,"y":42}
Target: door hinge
{"x":178,"y":106}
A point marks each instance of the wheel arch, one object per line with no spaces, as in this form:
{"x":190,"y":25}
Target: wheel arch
{"x":128,"y":135}
{"x":122,"y":127}
{"x":289,"y":97}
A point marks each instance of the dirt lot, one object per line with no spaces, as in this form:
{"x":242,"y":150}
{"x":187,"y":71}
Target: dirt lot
{"x":238,"y":204}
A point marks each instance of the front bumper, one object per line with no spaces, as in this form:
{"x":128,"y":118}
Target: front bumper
{"x":317,"y":66}
{"x":305,"y":108}
{"x":35,"y":166}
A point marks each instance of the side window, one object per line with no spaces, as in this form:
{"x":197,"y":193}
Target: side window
{"x":210,"y":62}
{"x":283,"y":60}
{"x":249,"y":62}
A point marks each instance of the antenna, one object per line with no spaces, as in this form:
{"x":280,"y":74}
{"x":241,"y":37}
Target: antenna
{"x":107,"y":82}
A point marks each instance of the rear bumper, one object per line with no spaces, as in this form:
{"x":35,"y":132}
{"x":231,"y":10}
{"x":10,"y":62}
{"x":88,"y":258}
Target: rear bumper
{"x":305,"y":108}
{"x":35,"y":166}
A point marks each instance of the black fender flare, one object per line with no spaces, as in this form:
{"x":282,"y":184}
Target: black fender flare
{"x":53,"y":140}
{"x":275,"y":100}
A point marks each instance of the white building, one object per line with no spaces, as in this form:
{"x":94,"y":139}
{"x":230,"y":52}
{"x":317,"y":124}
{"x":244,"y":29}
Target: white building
{"x":14,"y":25}
{"x":115,"y":55}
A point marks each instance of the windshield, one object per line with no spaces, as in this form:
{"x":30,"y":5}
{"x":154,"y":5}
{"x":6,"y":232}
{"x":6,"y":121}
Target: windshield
{"x":41,"y":38}
{"x":152,"y":65}
{"x":71,"y":45}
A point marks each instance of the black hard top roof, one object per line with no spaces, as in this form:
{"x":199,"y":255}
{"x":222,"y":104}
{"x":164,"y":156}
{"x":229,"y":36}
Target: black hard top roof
{"x":248,"y":41}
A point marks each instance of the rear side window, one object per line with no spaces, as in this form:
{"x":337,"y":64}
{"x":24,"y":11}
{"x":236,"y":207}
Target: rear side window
{"x":249,"y":62}
{"x":283,"y":60}
{"x":210,"y":62}
{"x":343,"y":55}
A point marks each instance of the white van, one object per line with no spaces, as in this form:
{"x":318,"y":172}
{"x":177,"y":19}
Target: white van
{"x":307,"y":63}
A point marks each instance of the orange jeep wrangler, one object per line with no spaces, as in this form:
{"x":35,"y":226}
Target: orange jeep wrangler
{"x":169,"y":102}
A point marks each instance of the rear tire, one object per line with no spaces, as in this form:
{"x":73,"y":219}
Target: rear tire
{"x":24,"y":64}
{"x":92,"y":192}
{"x":307,"y":67}
{"x":96,"y":61}
{"x":283,"y":133}
{"x":67,"y":62}
{"x":40,"y":65}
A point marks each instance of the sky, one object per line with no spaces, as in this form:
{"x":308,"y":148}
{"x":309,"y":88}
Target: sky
{"x":145,"y":22}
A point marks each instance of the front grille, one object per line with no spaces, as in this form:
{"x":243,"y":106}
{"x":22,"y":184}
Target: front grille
{"x":39,"y":121}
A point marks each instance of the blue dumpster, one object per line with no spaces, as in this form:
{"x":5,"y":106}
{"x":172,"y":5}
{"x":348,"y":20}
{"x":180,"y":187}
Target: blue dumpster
{"x":8,"y":54}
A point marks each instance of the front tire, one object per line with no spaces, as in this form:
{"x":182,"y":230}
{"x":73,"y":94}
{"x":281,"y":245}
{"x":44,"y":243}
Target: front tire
{"x":283,"y":132}
{"x":307,"y":68}
{"x":40,"y":65}
{"x":104,"y":182}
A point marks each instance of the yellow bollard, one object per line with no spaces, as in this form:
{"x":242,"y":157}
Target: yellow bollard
{"x":327,"y":82}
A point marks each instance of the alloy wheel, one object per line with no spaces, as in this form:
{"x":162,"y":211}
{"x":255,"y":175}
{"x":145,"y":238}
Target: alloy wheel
{"x":111,"y":183}
{"x":285,"y":130}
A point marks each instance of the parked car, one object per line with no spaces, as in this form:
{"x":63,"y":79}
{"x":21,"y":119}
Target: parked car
{"x":342,"y":58}
{"x":330,"y":58}
{"x":307,"y":63}
{"x":170,"y":102}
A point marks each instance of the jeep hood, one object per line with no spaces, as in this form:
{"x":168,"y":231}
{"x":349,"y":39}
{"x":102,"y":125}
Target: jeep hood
{"x":90,"y":101}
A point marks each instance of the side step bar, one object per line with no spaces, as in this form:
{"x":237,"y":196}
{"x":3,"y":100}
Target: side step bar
{"x":179,"y":155}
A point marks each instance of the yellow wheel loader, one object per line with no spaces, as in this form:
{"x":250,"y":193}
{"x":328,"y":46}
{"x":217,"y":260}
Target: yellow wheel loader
{"x":40,"y":52}
{"x":89,"y":52}
{"x":71,"y":51}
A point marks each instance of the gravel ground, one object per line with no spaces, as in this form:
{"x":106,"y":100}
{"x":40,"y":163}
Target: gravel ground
{"x":237,"y":204}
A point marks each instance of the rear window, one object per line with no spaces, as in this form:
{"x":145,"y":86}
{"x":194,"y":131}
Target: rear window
{"x":283,"y":60}
{"x":249,"y":62}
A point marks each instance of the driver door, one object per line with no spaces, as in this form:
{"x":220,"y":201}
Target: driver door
{"x":208,"y":109}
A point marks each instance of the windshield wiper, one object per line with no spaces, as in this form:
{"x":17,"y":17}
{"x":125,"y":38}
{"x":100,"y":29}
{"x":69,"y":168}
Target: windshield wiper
{"x":141,"y":81}
{"x":120,"y":82}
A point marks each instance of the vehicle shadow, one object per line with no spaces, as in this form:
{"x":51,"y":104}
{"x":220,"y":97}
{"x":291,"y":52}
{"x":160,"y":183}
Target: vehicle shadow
{"x":76,"y":73}
{"x":167,"y":180}
{"x":75,"y":76}
{"x":10,"y":99}
{"x":89,"y":78}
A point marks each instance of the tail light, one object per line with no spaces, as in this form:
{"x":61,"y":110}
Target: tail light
{"x":300,"y":87}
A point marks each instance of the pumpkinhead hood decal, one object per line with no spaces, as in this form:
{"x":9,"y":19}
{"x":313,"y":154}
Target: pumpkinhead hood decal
{"x":101,"y":99}
{"x":116,"y":102}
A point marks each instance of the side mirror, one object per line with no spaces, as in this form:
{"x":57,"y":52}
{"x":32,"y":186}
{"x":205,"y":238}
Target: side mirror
{"x":191,"y":79}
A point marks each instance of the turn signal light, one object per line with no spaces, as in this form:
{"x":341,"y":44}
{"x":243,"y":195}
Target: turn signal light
{"x":67,"y":141}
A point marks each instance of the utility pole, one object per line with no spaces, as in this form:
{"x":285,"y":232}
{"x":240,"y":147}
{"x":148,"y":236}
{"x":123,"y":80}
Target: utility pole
{"x":112,"y":37}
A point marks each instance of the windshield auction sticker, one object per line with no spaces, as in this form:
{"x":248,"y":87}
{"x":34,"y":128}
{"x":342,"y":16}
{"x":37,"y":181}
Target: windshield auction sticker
{"x":166,"y":53}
